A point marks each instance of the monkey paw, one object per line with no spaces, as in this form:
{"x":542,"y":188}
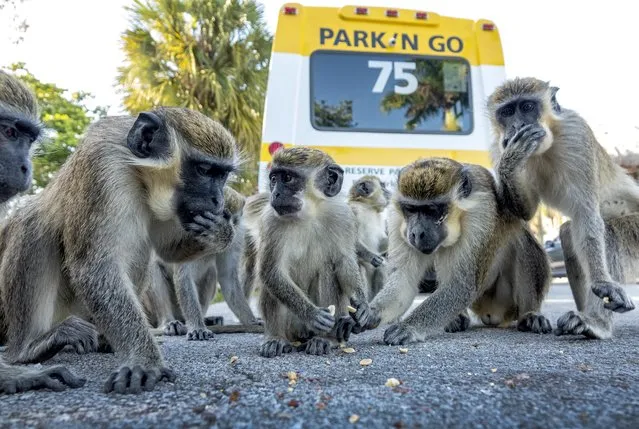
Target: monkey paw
{"x":322,"y":320}
{"x":175,"y":328}
{"x":459,"y":324}
{"x":535,"y":323}
{"x":363,"y":314}
{"x":199,"y":334}
{"x":377,"y":261}
{"x":136,"y":379}
{"x":275,"y":347}
{"x":526,"y":140}
{"x":344,"y":328}
{"x":82,"y":335}
{"x":615,"y":297}
{"x":56,"y":378}
{"x":318,"y":346}
{"x":206,"y":223}
{"x":400,"y":334}
{"x":214,"y":321}
{"x":574,"y":323}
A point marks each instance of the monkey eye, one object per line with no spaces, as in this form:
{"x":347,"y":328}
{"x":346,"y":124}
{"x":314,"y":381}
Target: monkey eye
{"x":527,"y":106}
{"x":286,"y":178}
{"x":10,"y":132}
{"x":507,"y":112}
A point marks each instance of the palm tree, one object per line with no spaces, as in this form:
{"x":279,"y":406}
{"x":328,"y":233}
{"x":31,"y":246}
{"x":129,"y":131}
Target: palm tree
{"x":207,"y":55}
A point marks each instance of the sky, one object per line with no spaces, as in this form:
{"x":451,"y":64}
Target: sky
{"x":588,"y":49}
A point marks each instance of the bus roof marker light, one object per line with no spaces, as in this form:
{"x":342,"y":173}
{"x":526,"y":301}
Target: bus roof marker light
{"x":361,"y":11}
{"x":392,"y":13}
{"x":274,"y":147}
{"x":421,"y":15}
{"x":488,"y":27}
{"x":288,"y":10}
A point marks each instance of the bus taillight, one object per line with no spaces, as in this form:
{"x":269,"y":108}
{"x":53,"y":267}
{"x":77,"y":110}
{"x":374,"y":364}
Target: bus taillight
{"x":421,"y":15}
{"x":488,"y":27}
{"x":288,"y":10}
{"x":361,"y":11}
{"x":392,"y":13}
{"x":274,"y":147}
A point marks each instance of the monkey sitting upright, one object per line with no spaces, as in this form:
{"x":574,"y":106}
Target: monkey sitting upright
{"x":544,"y":152}
{"x":368,"y":198}
{"x":305,"y":252}
{"x":81,"y":247}
{"x":445,"y":215}
{"x":19,"y":130}
{"x":181,"y":293}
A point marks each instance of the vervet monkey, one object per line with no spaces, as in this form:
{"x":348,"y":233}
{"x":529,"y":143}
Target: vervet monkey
{"x":20,"y":128}
{"x":81,"y":247}
{"x":445,"y":216}
{"x":368,"y":198}
{"x":181,"y":293}
{"x":305,"y":253}
{"x":544,"y":152}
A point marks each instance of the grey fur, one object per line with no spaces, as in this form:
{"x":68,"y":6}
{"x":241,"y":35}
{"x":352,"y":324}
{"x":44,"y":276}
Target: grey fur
{"x":18,"y":102}
{"x":560,"y":162}
{"x":82,"y":248}
{"x":490,"y":254}
{"x":306,"y":262}
{"x":181,"y":293}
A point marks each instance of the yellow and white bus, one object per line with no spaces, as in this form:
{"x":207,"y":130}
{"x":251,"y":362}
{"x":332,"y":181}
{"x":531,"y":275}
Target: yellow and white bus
{"x":376,"y":88}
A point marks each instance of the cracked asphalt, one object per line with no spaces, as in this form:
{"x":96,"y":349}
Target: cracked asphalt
{"x":482,"y":378}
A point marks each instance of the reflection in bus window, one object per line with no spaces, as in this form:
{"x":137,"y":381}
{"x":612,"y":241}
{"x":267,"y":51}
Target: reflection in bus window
{"x":390,"y":92}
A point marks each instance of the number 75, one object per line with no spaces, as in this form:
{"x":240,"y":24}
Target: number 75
{"x":401,"y":73}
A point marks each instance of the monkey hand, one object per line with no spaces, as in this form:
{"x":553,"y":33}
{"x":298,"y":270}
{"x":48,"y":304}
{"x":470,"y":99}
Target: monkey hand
{"x":322,"y":320}
{"x":257,"y":321}
{"x":377,"y":261}
{"x":175,"y":327}
{"x":344,"y":327}
{"x":399,"y":334}
{"x":362,"y":315}
{"x":136,"y":379}
{"x":615,"y":297}
{"x":199,"y":334}
{"x":209,"y":226}
{"x":523,"y":143}
{"x":56,"y":378}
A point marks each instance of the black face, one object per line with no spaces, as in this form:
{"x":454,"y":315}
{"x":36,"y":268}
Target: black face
{"x":425,"y":224}
{"x":16,"y":137}
{"x":516,"y":114}
{"x":202,"y":188}
{"x":287,"y":185}
{"x":149,"y":138}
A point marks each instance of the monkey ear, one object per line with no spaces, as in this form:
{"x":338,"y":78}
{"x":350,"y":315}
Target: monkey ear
{"x":553,"y":90}
{"x":330,"y":180}
{"x":147,"y":137}
{"x":466,"y":186}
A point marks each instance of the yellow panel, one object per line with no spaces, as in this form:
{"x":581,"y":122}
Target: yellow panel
{"x":390,"y":157}
{"x":326,"y":28}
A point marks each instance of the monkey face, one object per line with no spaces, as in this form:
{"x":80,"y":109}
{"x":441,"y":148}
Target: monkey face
{"x":287,"y":189}
{"x":202,"y":187}
{"x":16,"y":137}
{"x":425,"y":229}
{"x":516,"y":114}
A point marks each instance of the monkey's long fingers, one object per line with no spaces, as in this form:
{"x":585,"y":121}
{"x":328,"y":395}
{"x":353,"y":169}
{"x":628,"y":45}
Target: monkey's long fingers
{"x":108,"y":386}
{"x":137,"y":375}
{"x":122,"y":380}
{"x":615,"y":297}
{"x":168,"y":374}
{"x":65,"y":376}
{"x":323,"y":321}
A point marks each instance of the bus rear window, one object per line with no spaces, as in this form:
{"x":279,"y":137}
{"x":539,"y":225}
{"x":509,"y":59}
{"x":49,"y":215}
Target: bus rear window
{"x":390,"y":93}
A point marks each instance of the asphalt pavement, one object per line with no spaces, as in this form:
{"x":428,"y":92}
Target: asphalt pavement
{"x":497,"y":378}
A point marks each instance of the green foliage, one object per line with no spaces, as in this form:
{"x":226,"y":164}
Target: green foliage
{"x":65,"y":118}
{"x":207,"y":55}
{"x":334,"y":116}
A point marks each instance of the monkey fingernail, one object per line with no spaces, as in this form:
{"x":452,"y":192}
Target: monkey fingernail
{"x":365,"y":362}
{"x":351,"y":309}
